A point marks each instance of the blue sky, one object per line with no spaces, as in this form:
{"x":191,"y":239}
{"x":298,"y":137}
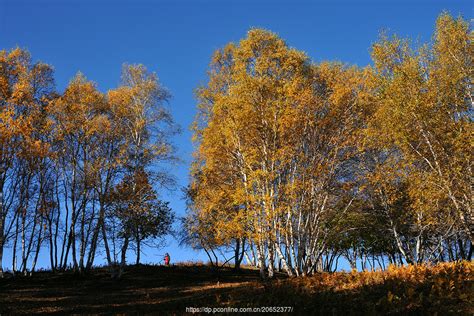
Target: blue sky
{"x":177,"y":38}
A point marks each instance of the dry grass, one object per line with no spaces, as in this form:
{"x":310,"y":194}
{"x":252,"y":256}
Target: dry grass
{"x":442,"y":289}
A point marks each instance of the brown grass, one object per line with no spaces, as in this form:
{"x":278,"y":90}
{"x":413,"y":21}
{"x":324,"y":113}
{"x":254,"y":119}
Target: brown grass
{"x":442,"y":289}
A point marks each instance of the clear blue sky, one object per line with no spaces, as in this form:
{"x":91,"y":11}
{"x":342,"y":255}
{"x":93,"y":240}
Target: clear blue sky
{"x":176,"y":39}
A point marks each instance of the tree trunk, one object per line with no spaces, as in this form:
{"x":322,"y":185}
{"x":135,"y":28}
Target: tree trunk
{"x":271,"y":261}
{"x":237,"y":254}
{"x":14,"y":248}
{"x":95,"y":237}
{"x":51,"y":246}
{"x":73,"y":245}
{"x":138,"y":251}
{"x":261,"y":261}
{"x":2,"y":239}
{"x":254,"y":257}
{"x":124,"y":256}
{"x":283,"y":261}
{"x":106,"y":245}
{"x":38,"y":248}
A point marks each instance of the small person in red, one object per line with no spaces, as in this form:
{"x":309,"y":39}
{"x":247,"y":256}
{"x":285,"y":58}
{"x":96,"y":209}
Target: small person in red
{"x":167,"y":259}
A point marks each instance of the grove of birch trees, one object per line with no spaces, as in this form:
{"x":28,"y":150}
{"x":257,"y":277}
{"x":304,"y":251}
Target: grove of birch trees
{"x":299,"y":164}
{"x":76,"y":176}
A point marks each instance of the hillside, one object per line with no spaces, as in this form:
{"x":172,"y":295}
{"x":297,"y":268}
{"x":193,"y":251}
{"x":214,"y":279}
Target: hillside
{"x":442,"y":289}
